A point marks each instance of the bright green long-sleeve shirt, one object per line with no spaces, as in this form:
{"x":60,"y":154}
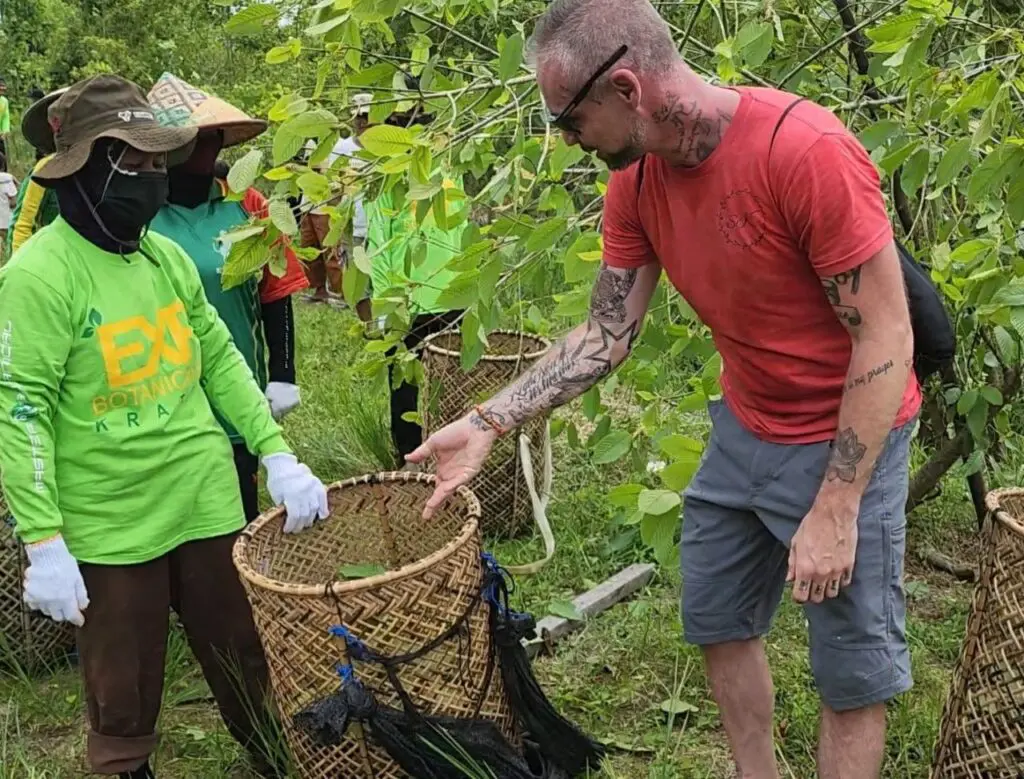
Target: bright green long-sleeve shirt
{"x":108,"y":368}
{"x":5,"y":115}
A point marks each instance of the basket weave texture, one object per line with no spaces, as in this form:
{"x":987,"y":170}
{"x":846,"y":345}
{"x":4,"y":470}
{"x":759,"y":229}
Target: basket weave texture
{"x":434,"y":577}
{"x":450,"y":393}
{"x":981,"y":735}
{"x":28,"y":640}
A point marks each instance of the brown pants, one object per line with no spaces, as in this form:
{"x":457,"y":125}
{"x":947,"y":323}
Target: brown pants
{"x":124,"y":641}
{"x":325,"y":272}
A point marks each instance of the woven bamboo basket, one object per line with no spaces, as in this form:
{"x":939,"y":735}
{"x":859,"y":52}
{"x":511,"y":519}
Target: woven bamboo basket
{"x":981,"y":735}
{"x":450,"y":392}
{"x":28,"y":640}
{"x":434,"y":578}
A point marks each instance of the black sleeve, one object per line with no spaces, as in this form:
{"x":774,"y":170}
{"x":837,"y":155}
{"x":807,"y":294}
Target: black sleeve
{"x":279,"y":332}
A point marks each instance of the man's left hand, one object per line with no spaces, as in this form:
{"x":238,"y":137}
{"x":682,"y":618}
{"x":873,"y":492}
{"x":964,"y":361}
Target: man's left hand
{"x":822,"y":552}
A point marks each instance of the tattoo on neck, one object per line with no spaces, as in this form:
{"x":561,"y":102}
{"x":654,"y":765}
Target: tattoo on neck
{"x":847,"y":453}
{"x":697,"y":134}
{"x":866,"y":378}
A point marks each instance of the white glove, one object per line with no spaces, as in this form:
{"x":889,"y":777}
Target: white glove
{"x":53,"y":583}
{"x":292,"y":484}
{"x":282,"y":398}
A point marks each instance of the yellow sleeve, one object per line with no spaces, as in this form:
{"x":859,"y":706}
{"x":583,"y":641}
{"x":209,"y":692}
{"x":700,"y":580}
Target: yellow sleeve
{"x":26,"y":222}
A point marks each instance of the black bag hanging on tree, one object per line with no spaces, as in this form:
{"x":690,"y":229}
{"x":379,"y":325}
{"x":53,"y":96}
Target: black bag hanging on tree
{"x":558,"y":739}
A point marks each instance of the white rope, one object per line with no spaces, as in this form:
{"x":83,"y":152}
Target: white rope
{"x":539,"y":501}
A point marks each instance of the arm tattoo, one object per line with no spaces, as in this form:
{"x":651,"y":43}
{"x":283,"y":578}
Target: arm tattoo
{"x":835,"y":286}
{"x":847,"y":452}
{"x":866,"y":378}
{"x":578,"y":363}
{"x":698,"y":135}
{"x":608,"y":301}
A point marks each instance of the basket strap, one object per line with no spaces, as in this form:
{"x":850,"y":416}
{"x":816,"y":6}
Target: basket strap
{"x":540,"y":502}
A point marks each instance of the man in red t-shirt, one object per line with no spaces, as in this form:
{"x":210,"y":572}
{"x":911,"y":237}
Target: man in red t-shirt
{"x":789,"y":259}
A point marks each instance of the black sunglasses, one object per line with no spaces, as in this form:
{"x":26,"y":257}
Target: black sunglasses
{"x":559,"y":120}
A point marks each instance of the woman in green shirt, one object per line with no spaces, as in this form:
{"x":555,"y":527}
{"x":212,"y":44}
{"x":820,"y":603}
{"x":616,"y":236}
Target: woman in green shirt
{"x":121,"y":481}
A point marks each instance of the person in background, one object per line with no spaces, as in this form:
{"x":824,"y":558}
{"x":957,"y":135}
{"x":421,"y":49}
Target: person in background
{"x":326,"y":271}
{"x":119,"y":478}
{"x":390,"y":232}
{"x":257,"y":312}
{"x":5,"y":118}
{"x":221,"y":170}
{"x":767,"y":215}
{"x":36,"y":205}
{"x":8,"y":198}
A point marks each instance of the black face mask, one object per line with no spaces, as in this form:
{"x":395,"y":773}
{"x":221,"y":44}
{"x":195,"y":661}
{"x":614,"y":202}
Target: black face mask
{"x":109,"y":207}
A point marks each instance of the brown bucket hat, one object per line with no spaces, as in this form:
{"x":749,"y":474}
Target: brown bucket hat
{"x":177,"y":103}
{"x":34,"y":124}
{"x":104,"y":106}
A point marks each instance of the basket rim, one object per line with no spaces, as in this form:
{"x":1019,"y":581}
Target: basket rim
{"x":430,"y":346}
{"x":993,"y":502}
{"x":245,"y":570}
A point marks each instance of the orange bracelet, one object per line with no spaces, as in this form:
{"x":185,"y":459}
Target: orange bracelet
{"x":494,"y":425}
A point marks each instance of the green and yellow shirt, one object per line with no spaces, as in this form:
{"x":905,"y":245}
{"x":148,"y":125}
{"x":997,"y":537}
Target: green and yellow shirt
{"x":108,"y":369}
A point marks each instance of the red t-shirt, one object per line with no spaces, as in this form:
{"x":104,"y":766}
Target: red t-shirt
{"x":752,"y":271}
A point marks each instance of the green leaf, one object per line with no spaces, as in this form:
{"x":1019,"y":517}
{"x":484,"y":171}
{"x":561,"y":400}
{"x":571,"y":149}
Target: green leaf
{"x":754,"y":42}
{"x":361,"y":259}
{"x":563,"y":156}
{"x":1015,"y":201}
{"x":251,"y":20}
{"x":511,"y":57}
{"x":953,"y":161}
{"x":612,"y":447}
{"x":243,"y":173}
{"x":314,"y":186}
{"x":657,"y":502}
{"x":996,"y":168}
{"x":280,"y":54}
{"x":675,"y":706}
{"x":992,"y":396}
{"x":878,"y":133}
{"x":894,"y":34}
{"x":679,"y":447}
{"x":566,"y":610}
{"x":286,"y":145}
{"x":286,"y":107}
{"x":977,"y":420}
{"x":282,"y":217}
{"x":676,"y":476}
{"x":280,"y":173}
{"x":245,"y":259}
{"x":386,"y":141}
{"x":353,"y":285}
{"x":592,"y":403}
{"x":310,"y":124}
{"x":361,"y":571}
{"x":659,"y":533}
{"x":546,"y":234}
{"x":915,"y":170}
{"x":967,"y":401}
{"x":968,"y":251}
{"x":624,"y":495}
{"x":324,"y":27}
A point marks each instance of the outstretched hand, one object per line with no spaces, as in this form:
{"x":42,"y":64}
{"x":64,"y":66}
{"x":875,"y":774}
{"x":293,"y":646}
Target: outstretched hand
{"x":460,"y":450}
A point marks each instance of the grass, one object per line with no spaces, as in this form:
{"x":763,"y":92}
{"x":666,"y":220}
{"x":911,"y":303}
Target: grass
{"x":612,"y":677}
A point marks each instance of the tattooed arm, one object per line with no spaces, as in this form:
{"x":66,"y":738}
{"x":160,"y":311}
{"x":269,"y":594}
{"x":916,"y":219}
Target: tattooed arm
{"x":593,"y":350}
{"x":871,"y":303}
{"x":585,"y":356}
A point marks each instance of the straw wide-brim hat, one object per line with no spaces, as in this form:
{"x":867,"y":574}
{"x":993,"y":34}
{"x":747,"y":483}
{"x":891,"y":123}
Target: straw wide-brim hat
{"x":34,"y":124}
{"x":104,"y":106}
{"x":177,"y":103}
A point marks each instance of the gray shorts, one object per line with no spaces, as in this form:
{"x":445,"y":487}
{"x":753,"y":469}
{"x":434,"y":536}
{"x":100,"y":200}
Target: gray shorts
{"x":740,"y":513}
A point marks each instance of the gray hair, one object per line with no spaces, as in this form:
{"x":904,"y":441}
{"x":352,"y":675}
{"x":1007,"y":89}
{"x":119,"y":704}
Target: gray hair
{"x":580,"y":35}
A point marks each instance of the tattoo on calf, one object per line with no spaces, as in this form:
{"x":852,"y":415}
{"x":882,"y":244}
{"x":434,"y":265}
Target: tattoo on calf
{"x":847,"y":453}
{"x":608,"y":301}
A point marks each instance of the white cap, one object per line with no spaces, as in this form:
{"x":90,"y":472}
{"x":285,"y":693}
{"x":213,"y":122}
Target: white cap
{"x":361,"y":102}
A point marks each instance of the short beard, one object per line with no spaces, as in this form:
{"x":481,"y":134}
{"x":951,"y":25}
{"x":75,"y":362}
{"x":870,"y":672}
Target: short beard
{"x":631,"y":152}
